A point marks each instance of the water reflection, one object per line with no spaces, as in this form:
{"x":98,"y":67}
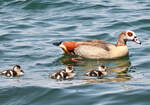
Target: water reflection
{"x":115,"y":65}
{"x":119,"y":68}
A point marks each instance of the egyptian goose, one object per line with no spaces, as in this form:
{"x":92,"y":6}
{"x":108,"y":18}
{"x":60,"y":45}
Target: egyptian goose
{"x":64,"y":74}
{"x":16,"y":71}
{"x":100,"y":72}
{"x":99,"y":49}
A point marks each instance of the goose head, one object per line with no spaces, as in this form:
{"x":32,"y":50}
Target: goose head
{"x":103,"y":69}
{"x":18,"y":69}
{"x":69,"y":68}
{"x":127,"y":36}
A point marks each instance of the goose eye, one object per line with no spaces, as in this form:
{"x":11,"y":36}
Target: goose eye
{"x":130,"y":34}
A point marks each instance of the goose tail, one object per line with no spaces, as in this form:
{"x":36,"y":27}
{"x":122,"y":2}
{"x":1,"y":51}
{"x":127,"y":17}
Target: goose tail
{"x":57,"y":43}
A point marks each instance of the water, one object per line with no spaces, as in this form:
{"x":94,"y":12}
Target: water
{"x":29,"y":27}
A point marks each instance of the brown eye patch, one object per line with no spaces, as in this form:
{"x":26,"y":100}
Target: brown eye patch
{"x":130,"y":34}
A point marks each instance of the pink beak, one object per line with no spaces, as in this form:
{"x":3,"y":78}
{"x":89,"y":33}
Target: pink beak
{"x":136,"y":40}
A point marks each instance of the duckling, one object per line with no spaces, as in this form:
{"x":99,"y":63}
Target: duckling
{"x":64,"y":74}
{"x":102,"y":71}
{"x":16,"y":71}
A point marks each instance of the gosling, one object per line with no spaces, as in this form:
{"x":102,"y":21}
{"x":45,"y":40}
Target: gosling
{"x":101,"y":72}
{"x":64,"y":74}
{"x":14,"y":72}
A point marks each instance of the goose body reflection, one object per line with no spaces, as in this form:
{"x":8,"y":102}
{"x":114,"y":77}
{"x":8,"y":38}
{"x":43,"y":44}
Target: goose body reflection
{"x":116,"y":67}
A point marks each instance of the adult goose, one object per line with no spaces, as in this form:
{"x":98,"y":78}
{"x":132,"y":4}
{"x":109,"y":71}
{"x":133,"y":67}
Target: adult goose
{"x":99,"y":49}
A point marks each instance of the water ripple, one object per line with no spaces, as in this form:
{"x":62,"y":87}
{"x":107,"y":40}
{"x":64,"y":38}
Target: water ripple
{"x":28,"y":29}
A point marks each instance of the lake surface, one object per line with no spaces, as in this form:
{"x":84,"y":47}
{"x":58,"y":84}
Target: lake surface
{"x":29,"y":27}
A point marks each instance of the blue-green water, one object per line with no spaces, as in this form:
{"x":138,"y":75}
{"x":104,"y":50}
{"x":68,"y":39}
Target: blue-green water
{"x":29,"y":27}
